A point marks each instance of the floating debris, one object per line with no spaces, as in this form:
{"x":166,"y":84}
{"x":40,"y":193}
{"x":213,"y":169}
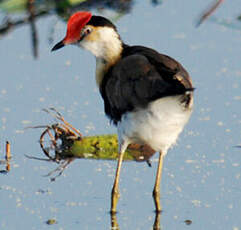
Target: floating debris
{"x":51,"y":221}
{"x":62,"y":143}
{"x":188,"y":222}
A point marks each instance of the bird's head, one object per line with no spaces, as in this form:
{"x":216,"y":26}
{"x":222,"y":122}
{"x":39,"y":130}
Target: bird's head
{"x":94,"y":33}
{"x":76,"y":30}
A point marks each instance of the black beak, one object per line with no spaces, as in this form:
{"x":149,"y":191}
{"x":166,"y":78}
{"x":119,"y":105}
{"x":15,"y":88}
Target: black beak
{"x":58,"y":46}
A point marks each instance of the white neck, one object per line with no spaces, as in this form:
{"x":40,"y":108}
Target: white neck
{"x":105,"y":44}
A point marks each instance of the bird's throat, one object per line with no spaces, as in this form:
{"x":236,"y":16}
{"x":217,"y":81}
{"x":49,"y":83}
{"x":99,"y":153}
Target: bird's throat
{"x":104,"y":62}
{"x":105,"y":44}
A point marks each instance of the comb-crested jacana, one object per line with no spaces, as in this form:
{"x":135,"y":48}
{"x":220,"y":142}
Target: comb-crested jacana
{"x":147,"y":95}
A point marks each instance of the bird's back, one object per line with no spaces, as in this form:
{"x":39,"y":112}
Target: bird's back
{"x":140,"y":77}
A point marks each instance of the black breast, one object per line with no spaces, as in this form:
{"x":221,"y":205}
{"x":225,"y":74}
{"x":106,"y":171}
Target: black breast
{"x":141,"y":76}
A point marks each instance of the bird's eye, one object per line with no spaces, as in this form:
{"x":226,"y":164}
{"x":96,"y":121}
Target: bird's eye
{"x":87,"y":30}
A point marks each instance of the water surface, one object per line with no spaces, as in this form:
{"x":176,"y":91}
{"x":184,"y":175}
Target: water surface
{"x":201,"y":179}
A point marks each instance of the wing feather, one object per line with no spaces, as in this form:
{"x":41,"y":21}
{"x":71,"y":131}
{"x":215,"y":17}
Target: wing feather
{"x":140,"y":77}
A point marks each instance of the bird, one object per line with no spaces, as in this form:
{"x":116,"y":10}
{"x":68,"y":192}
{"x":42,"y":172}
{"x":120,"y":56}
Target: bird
{"x":147,"y":95}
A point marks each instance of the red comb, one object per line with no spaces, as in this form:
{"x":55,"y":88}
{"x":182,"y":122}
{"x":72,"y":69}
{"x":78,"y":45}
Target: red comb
{"x":75,"y":23}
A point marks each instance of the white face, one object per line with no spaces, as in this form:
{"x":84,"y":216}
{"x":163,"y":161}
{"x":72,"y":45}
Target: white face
{"x":103,"y":42}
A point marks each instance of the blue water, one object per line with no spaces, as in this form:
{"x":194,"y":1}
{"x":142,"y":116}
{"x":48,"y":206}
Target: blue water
{"x":201,"y":178}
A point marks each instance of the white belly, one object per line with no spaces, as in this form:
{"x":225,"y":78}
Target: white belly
{"x":158,"y":125}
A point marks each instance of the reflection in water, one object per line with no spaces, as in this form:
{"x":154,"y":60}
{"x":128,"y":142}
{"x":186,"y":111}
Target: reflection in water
{"x":36,"y":9}
{"x":31,"y":10}
{"x":115,"y":225}
{"x":113,"y":220}
{"x":207,"y":13}
{"x":32,"y":14}
{"x":156,"y":225}
{"x":6,"y":162}
{"x":210,"y":10}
